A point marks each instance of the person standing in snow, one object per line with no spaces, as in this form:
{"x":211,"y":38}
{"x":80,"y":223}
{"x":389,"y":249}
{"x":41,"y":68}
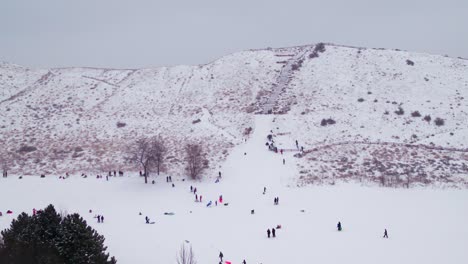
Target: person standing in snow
{"x":221,"y":256}
{"x":147,"y":219}
{"x":273,"y":232}
{"x":219,"y":174}
{"x":102,"y":219}
{"x":200,"y":198}
{"x":196,"y":197}
{"x":338,"y":226}
{"x":385,"y":235}
{"x":264,"y":190}
{"x":99,"y":219}
{"x":220,"y":199}
{"x":243,"y":262}
{"x":268,"y":233}
{"x":297,"y":144}
{"x":284,"y":161}
{"x":191,"y":188}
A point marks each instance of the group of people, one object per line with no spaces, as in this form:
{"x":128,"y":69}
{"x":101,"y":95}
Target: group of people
{"x":338,"y":226}
{"x":194,"y":191}
{"x":272,"y":232}
{"x":276,"y":201}
{"x":115,"y":173}
{"x":100,"y":218}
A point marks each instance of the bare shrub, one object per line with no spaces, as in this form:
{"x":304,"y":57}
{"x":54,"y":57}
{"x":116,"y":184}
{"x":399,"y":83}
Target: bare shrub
{"x":400,"y":111}
{"x":415,"y":114}
{"x":328,"y":121}
{"x":320,"y":47}
{"x":185,"y":255}
{"x":195,"y":159}
{"x":427,"y":118}
{"x":360,"y":100}
{"x":159,"y":151}
{"x":409,"y":62}
{"x":25,"y":149}
{"x":439,"y":121}
{"x":121,"y":124}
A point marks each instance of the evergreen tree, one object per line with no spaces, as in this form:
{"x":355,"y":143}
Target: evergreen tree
{"x":47,"y":239}
{"x":80,"y":244}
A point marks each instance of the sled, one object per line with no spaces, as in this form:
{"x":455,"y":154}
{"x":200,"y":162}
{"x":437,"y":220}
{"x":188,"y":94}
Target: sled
{"x":151,"y":223}
{"x":170,"y":213}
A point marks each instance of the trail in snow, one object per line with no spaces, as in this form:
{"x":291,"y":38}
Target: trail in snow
{"x":283,"y":79}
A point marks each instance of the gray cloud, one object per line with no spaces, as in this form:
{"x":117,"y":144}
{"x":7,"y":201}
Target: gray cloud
{"x":144,"y":33}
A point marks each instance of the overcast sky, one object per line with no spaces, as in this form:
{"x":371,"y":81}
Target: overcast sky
{"x":150,"y":33}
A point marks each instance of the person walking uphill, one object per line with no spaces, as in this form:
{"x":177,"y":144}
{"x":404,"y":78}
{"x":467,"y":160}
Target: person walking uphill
{"x":221,"y":256}
{"x":385,"y":235}
{"x":273,"y":232}
{"x":268,"y":233}
{"x":338,"y":226}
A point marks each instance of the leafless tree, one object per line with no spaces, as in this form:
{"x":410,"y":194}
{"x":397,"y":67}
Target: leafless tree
{"x":185,"y":255}
{"x":195,"y":159}
{"x":141,"y":154}
{"x":159,"y":150}
{"x":5,"y":162}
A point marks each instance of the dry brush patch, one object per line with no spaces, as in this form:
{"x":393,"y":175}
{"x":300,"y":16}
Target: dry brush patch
{"x":390,"y":165}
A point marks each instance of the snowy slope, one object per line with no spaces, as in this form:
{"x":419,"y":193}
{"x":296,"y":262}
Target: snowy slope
{"x":70,"y":114}
{"x":425,"y":225}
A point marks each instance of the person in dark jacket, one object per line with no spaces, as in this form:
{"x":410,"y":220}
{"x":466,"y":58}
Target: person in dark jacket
{"x":268,"y":233}
{"x":221,"y":256}
{"x":385,"y":235}
{"x":338,"y":226}
{"x":273,"y":232}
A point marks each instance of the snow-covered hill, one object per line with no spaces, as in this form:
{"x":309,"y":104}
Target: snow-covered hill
{"x":68,"y":117}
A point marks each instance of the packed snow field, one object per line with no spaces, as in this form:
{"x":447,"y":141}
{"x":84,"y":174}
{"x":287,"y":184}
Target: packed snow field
{"x":424,"y":225}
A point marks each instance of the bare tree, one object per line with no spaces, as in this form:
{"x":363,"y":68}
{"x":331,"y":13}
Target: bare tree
{"x":185,"y":255}
{"x":141,"y":153}
{"x":159,"y":150}
{"x":5,"y":162}
{"x":195,"y":159}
